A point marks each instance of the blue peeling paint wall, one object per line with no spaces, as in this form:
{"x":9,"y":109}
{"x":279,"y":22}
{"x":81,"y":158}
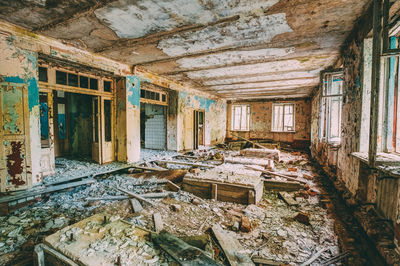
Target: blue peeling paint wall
{"x":19,"y":65}
{"x":133,"y":90}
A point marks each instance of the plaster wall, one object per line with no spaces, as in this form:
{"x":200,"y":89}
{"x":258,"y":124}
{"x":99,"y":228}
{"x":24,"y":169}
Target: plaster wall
{"x":20,"y":66}
{"x":261,"y":122}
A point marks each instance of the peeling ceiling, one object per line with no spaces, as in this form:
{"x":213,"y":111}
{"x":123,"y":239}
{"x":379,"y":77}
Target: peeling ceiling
{"x":237,"y":49}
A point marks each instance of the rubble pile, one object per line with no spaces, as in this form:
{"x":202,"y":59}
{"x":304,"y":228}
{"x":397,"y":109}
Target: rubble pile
{"x":285,"y":227}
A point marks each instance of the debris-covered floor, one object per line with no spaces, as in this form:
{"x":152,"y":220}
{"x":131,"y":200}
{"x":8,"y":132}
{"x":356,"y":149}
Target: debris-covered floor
{"x":289,"y":227}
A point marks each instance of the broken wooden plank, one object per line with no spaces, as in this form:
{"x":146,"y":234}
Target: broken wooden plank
{"x":181,"y":251}
{"x":134,"y":195}
{"x":314,"y":257}
{"x":136,"y":206}
{"x":276,"y":174}
{"x":282,"y":185}
{"x":185,"y":163}
{"x":231,"y":247}
{"x":286,"y":197}
{"x":50,"y":189}
{"x":173,"y":186}
{"x":69,"y":179}
{"x":214,"y":191}
{"x":249,"y":161}
{"x":265,"y":262}
{"x":158,"y":223}
{"x":147,"y":195}
{"x":252,"y":142}
{"x":39,"y":254}
{"x":271,"y":154}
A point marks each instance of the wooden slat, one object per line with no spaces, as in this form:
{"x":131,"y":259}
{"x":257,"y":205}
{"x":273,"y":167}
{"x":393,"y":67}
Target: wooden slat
{"x":231,"y":248}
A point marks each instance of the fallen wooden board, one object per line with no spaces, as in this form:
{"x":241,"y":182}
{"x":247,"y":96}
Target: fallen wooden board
{"x":250,"y":161}
{"x":265,"y":262}
{"x":69,"y":179}
{"x":185,"y":163}
{"x":147,"y":196}
{"x":181,"y":251}
{"x":278,"y":185}
{"x":136,"y":206}
{"x":209,"y":189}
{"x":286,"y":197}
{"x":276,"y":174}
{"x":136,"y":196}
{"x":49,"y":189}
{"x":231,"y":247}
{"x":254,"y":143}
{"x":175,"y":175}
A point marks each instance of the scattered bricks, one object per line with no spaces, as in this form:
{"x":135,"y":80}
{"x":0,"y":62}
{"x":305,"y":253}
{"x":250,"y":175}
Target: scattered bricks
{"x":307,"y":176}
{"x":245,"y":225}
{"x":303,"y":194}
{"x":195,"y":170}
{"x":303,"y":217}
{"x":292,"y":169}
{"x":176,"y":207}
{"x":311,"y":193}
{"x":196,"y":201}
{"x":234,"y":213}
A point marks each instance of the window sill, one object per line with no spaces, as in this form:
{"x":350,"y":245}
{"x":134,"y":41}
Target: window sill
{"x":388,"y":163}
{"x":274,"y":131}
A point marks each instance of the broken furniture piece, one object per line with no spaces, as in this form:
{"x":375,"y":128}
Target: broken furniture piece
{"x":246,"y":193}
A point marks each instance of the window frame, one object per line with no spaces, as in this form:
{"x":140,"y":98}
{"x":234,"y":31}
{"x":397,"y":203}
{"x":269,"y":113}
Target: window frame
{"x":248,"y":117}
{"x":283,"y":118}
{"x":325,"y":123}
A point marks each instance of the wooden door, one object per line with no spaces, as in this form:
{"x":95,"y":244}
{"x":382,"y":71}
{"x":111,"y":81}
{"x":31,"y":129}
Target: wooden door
{"x":47,"y":160}
{"x":96,"y":144}
{"x":188,"y":129}
{"x":107,"y":129}
{"x":201,"y":128}
{"x":15,"y":155}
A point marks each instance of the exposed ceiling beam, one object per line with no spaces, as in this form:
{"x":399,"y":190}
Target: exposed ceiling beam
{"x":266,"y":86}
{"x":213,"y":85}
{"x":252,"y":62}
{"x":317,"y":70}
{"x":66,"y":19}
{"x":262,"y":90}
{"x":156,"y":37}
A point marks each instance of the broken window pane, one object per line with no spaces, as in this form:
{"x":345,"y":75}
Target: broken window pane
{"x":83,"y":82}
{"x":43,"y":74}
{"x":94,"y":84}
{"x":61,"y":77}
{"x":72,"y":80}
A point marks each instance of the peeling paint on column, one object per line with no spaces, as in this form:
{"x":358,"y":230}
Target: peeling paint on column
{"x":133,"y":90}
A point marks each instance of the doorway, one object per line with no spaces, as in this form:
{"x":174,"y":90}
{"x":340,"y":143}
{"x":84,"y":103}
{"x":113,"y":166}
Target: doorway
{"x":198,"y":128}
{"x":153,"y":126}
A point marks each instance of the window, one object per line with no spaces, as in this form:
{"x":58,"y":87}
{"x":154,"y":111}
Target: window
{"x":283,"y":117}
{"x":83,"y":82}
{"x":153,"y":95}
{"x":331,"y":111}
{"x":94,"y":83}
{"x":392,"y":98}
{"x":107,"y":86}
{"x":240,"y":118}
{"x":61,"y":77}
{"x":43,"y":74}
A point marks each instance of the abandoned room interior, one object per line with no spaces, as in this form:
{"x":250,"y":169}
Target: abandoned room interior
{"x":200,"y":132}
